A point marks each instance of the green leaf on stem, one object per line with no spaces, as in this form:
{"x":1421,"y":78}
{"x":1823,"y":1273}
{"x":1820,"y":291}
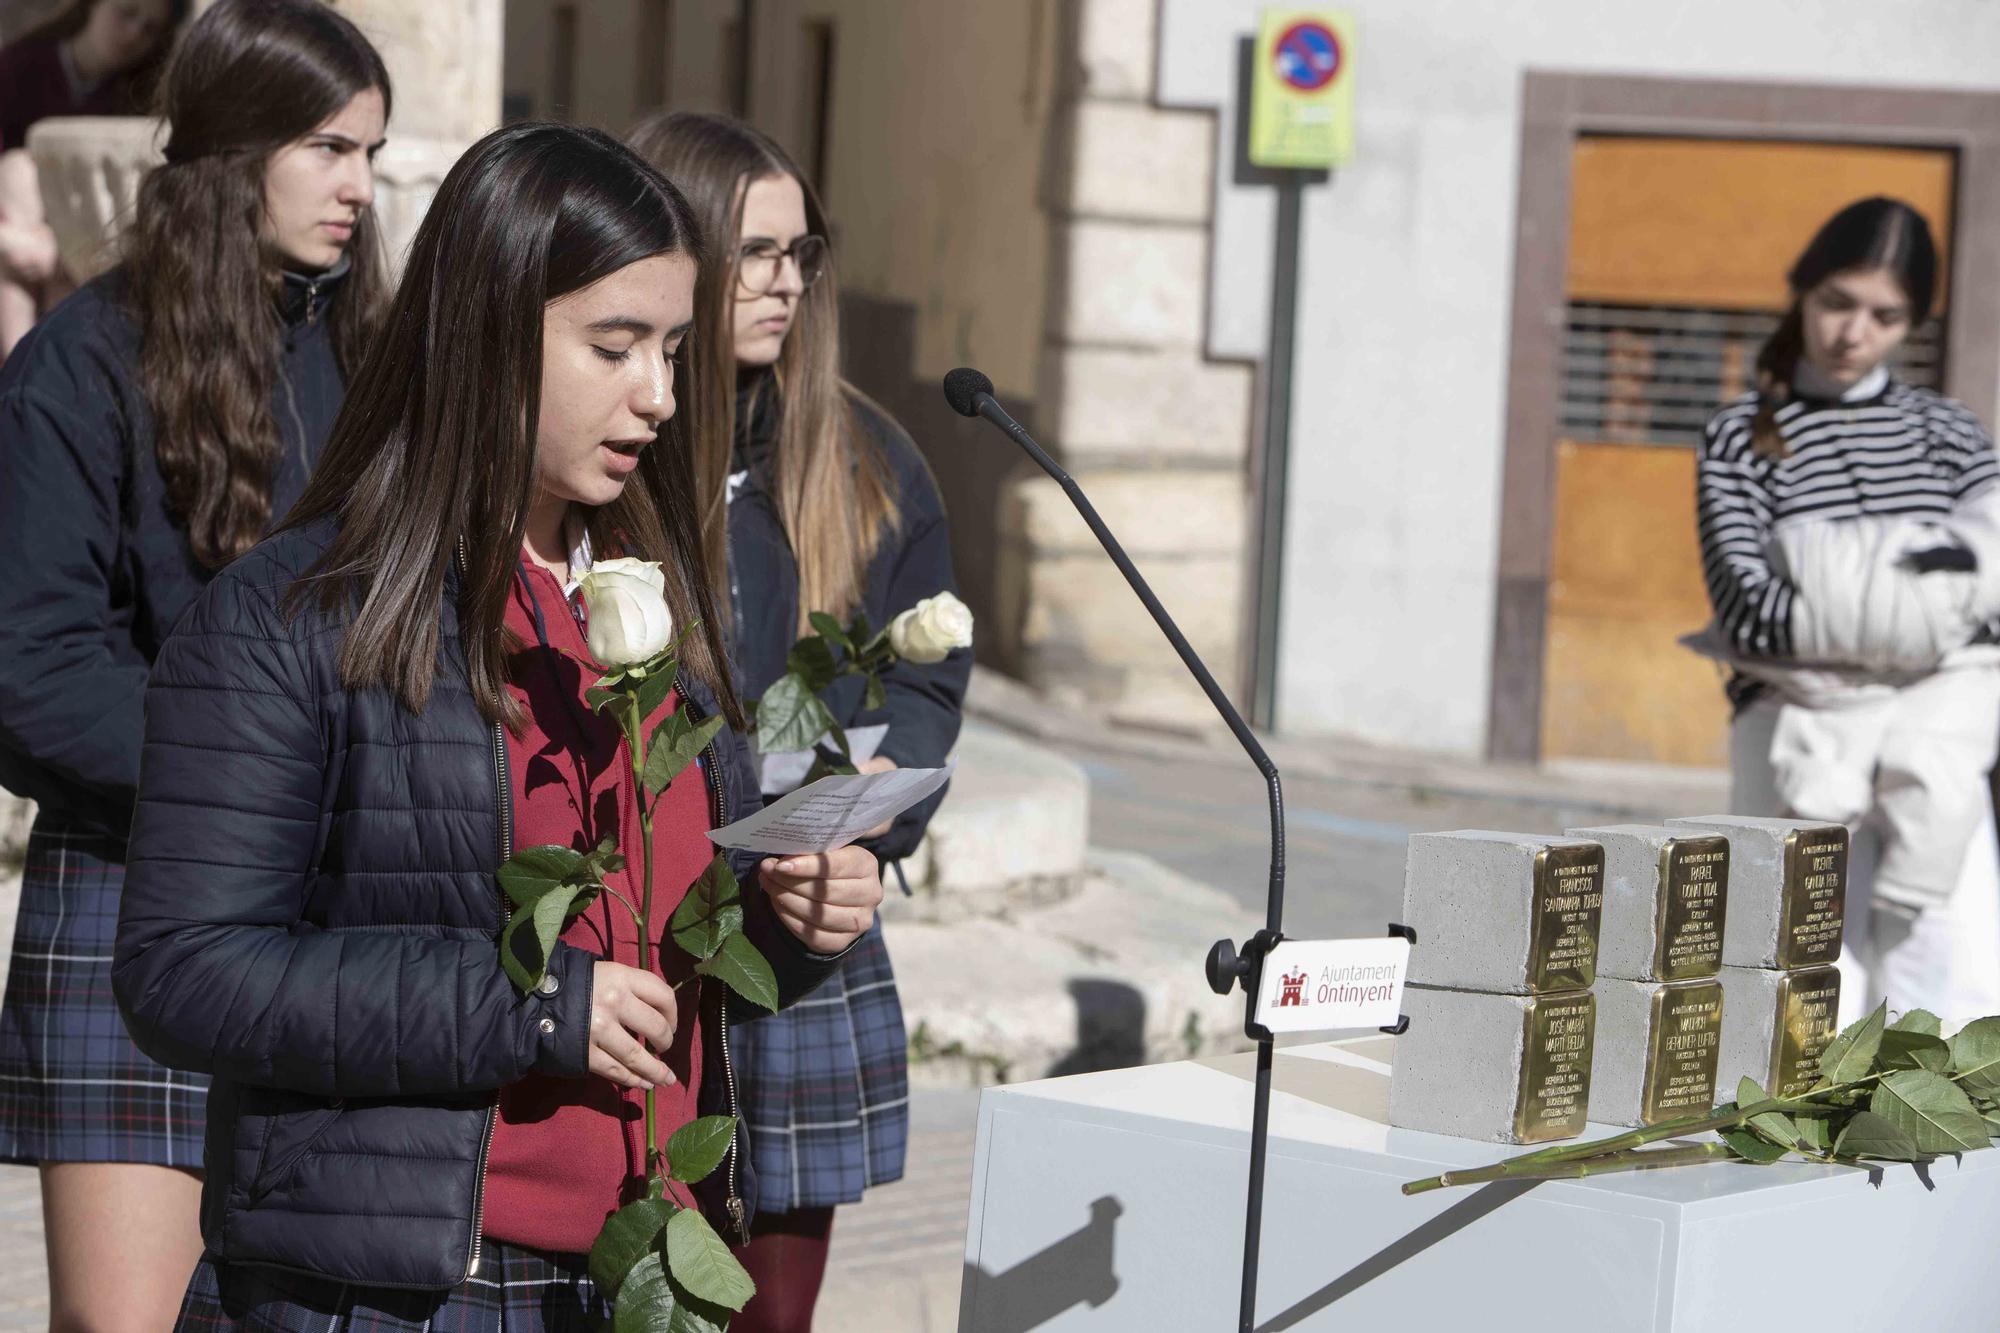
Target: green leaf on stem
{"x":602,"y":696}
{"x":829,"y":629}
{"x":645,"y":1301}
{"x":1869,"y":1135}
{"x":1852,"y":1054}
{"x":812,"y":661}
{"x":1751,"y":1148}
{"x":1931,"y":1109}
{"x":627,"y":1235}
{"x":862,"y":636}
{"x":676,"y":742}
{"x":536,"y":871}
{"x":1816,"y":1132}
{"x":740,"y":967}
{"x":873,"y":696}
{"x":790,"y":717}
{"x":524,"y":954}
{"x":1975,"y":1057}
{"x":698,"y":1147}
{"x":701,"y":1262}
{"x":711,"y":913}
{"x":654,"y":689}
{"x":1904,"y":1048}
{"x":1919,"y":1020}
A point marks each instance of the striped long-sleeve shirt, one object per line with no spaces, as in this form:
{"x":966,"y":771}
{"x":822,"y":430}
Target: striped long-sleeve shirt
{"x":1907,"y":451}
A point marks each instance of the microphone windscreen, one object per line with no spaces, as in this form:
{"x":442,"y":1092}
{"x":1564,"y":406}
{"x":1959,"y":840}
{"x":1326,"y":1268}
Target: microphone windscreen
{"x":962,"y":386}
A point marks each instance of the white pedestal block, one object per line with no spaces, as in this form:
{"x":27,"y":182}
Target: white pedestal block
{"x":1512,"y":913}
{"x":1114,"y":1201}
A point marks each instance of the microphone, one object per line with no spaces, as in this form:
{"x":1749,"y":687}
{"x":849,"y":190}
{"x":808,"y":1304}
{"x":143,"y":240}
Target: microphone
{"x":971,"y":394}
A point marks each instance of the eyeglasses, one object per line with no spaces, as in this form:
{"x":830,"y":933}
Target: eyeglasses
{"x":760,"y":262}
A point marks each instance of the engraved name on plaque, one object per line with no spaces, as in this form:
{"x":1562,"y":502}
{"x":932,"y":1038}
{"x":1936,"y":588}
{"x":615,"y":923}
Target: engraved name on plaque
{"x":1568,"y":907}
{"x":1694,"y":900}
{"x":1555,"y":1068}
{"x":1815,"y":896}
{"x":1808,"y":1020}
{"x":1685,"y":1042}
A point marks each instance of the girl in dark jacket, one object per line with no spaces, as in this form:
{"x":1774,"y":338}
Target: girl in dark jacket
{"x":150,"y":430}
{"x":359,"y":722}
{"x":819,"y":502}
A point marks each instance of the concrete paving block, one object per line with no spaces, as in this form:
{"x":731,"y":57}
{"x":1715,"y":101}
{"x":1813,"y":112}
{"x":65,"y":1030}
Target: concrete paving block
{"x":1665,"y":897}
{"x":1505,"y":912}
{"x":1787,"y":889}
{"x":1502,"y":1068}
{"x":1655,"y":1050}
{"x":1774,"y":1026}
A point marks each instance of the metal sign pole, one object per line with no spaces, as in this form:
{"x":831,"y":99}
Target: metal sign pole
{"x":1276,"y":452}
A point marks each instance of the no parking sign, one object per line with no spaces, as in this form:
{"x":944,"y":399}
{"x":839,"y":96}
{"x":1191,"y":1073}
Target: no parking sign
{"x":1302,"y":89}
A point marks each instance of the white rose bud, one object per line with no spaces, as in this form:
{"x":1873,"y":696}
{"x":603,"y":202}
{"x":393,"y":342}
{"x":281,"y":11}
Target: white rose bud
{"x":928,"y":631}
{"x":629,"y":620}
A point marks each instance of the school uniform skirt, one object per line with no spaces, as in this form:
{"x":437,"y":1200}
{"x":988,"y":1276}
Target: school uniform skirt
{"x":517,"y":1290}
{"x":73,"y":1087}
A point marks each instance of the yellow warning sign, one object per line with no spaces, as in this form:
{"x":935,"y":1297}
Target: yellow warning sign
{"x":1302,"y":89}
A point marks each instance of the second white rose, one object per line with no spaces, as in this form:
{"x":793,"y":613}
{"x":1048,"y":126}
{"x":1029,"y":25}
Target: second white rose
{"x":927,"y":632}
{"x":629,"y":619}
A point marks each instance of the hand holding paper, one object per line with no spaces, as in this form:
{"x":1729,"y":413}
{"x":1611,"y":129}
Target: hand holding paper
{"x":826,"y":899}
{"x":832,"y":812}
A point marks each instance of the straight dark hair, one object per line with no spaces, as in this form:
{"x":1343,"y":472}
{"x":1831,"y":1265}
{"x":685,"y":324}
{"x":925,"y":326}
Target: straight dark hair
{"x":66,"y":21}
{"x":249,"y":77}
{"x":433,"y":452}
{"x":835,"y":492}
{"x":1876,"y":233}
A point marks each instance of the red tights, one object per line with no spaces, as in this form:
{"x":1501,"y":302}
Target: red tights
{"x":786,"y":1257}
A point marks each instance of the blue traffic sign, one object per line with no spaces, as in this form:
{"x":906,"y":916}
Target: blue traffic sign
{"x":1307,"y":56}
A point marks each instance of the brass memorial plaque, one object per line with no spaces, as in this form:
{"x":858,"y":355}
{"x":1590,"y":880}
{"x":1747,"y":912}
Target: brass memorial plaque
{"x":1568,"y":905}
{"x":1694,"y":895}
{"x":1815,"y":896}
{"x":1555,"y":1067}
{"x":1681,"y":1053}
{"x":1808,"y":1019}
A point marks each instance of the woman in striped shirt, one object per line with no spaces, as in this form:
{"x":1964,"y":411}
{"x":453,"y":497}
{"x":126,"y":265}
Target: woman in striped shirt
{"x":1850,"y":534}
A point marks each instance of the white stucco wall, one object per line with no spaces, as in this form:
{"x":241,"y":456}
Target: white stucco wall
{"x":1399,"y":394}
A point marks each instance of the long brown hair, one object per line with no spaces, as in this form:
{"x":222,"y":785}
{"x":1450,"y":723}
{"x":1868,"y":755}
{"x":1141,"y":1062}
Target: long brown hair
{"x":434,"y":446}
{"x":1867,"y":234}
{"x":835,"y":495}
{"x":249,"y":77}
{"x":66,"y":21}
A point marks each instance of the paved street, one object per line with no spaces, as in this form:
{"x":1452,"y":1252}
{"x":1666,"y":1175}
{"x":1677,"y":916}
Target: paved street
{"x":1197,"y":807}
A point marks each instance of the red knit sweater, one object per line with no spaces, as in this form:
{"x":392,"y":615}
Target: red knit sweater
{"x":567,"y":1152}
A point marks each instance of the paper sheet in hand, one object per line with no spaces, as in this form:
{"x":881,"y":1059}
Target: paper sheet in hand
{"x":783,"y":770}
{"x":831,"y":812}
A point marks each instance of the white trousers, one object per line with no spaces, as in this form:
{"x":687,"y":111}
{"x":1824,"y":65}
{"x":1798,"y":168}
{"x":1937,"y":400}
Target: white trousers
{"x":1945,"y":958}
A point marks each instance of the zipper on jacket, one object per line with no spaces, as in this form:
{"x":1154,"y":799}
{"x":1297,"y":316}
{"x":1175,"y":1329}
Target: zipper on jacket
{"x":712,"y":770}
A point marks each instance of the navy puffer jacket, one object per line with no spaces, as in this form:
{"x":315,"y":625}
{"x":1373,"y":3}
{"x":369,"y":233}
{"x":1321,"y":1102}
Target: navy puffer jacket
{"x":311,"y":915}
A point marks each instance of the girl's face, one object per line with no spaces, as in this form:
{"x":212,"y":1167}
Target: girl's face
{"x":120,"y":34}
{"x":767,"y":293}
{"x":1853,"y":321}
{"x":316,"y":186}
{"x":608,"y":376}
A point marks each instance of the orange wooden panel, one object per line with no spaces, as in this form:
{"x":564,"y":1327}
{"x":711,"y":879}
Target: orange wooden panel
{"x":1625,"y":584}
{"x":1717,"y":222}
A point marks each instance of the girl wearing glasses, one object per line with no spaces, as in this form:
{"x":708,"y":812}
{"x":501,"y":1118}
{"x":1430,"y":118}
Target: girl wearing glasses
{"x":813,"y":500}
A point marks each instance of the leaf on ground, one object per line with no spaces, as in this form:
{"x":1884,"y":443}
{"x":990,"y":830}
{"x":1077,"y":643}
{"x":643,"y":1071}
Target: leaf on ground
{"x":701,"y":1262}
{"x":710,"y":912}
{"x":645,"y":1302}
{"x":740,"y":967}
{"x":1851,"y":1055}
{"x":1919,"y":1020}
{"x":1975,"y":1057}
{"x":1931,"y":1110}
{"x":1869,"y":1135}
{"x":627,"y":1235}
{"x":1903,"y":1048}
{"x":698,"y":1148}
{"x":1752,"y":1148}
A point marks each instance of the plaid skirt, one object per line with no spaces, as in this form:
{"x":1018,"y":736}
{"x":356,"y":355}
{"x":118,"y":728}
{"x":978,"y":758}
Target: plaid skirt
{"x":825,"y":1088}
{"x":73,"y":1087}
{"x":517,"y":1290}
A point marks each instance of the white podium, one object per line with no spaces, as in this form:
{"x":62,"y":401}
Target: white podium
{"x":1115,"y":1201}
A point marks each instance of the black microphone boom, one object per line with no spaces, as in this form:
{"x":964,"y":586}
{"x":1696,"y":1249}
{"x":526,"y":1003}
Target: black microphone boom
{"x":971,"y":394}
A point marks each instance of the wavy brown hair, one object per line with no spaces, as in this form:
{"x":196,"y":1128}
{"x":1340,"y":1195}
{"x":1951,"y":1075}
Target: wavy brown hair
{"x":432,"y":458}
{"x":835,"y":495}
{"x":250,"y":77}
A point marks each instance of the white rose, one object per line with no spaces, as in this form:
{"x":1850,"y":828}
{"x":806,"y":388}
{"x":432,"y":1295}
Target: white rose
{"x":629,"y":620}
{"x":926,"y":632}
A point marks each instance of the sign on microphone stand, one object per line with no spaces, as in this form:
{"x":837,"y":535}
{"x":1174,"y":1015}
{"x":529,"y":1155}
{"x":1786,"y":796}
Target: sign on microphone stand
{"x":1332,"y":985}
